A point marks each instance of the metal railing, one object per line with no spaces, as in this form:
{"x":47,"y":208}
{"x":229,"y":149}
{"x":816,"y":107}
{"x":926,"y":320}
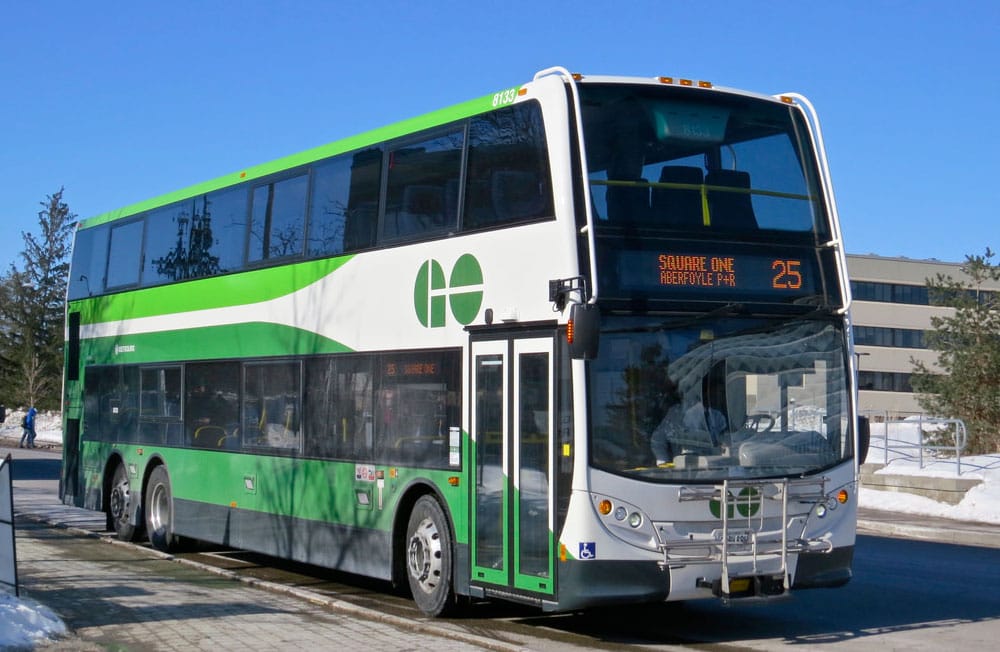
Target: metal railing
{"x":911,"y":434}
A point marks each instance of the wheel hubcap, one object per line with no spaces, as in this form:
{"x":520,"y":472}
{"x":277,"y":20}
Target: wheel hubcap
{"x":119,"y":500}
{"x":157,"y":508}
{"x":425,"y":555}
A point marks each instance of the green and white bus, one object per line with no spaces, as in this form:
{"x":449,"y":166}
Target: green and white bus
{"x":581,"y":341}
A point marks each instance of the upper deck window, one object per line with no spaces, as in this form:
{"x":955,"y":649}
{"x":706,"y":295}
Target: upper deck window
{"x":699,"y":163}
{"x":277,"y":222}
{"x":508,"y":169}
{"x":422,"y":191}
{"x":123,"y":267}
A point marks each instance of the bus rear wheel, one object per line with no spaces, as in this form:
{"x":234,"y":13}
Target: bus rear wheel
{"x":160,"y":512}
{"x":429,"y":557}
{"x":119,"y":508}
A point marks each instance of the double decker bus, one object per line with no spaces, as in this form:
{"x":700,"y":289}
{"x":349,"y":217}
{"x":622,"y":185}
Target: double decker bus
{"x":581,"y":341}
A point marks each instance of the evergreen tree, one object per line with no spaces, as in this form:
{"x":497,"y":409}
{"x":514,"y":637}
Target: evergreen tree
{"x":31,"y":310}
{"x":966,"y":382}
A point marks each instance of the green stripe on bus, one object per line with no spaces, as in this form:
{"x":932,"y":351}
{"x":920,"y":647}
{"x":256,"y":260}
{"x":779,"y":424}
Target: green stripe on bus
{"x":210,"y":343}
{"x":202,"y":294}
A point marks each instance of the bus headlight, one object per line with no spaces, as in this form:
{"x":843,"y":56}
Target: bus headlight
{"x":635,"y":519}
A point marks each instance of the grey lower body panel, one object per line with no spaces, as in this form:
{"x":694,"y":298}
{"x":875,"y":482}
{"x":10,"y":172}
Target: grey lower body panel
{"x":343,"y":547}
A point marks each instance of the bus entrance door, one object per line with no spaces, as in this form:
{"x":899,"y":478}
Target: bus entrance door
{"x":512,"y":507}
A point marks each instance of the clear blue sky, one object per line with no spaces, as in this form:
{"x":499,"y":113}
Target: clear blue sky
{"x":125,"y":102}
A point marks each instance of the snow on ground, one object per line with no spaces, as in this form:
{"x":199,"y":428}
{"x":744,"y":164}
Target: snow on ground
{"x":24,"y":622}
{"x":897,"y":445}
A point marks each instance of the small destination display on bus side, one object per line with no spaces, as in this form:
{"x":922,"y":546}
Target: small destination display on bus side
{"x":662,"y":273}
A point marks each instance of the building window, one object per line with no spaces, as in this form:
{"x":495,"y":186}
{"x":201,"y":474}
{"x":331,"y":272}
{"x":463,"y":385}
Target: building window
{"x":884,"y":381}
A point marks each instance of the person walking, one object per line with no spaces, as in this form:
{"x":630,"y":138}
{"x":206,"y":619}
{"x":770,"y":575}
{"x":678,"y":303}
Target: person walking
{"x":28,"y":425}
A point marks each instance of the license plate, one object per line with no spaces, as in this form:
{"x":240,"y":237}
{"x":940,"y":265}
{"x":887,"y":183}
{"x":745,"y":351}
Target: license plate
{"x":739,"y":537}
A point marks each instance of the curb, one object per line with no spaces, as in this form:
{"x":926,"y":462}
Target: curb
{"x":960,"y":533}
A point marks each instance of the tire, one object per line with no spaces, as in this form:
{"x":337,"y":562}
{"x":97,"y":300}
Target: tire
{"x":160,"y":512}
{"x":119,"y":508}
{"x":428,"y":557}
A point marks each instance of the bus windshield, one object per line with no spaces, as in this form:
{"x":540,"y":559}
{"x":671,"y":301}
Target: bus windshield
{"x":669,"y":158}
{"x":691,"y":399}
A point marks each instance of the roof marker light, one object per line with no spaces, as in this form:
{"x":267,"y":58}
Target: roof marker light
{"x":577,"y":76}
{"x":787,"y":100}
{"x":666,"y":80}
{"x":704,"y":84}
{"x":687,"y":82}
{"x":522,"y":91}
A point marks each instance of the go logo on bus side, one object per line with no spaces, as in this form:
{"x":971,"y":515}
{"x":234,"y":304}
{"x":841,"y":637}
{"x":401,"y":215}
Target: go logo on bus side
{"x":747,"y":503}
{"x":463,"y":292}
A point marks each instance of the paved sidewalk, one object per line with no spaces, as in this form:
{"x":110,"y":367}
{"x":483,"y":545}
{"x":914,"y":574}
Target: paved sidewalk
{"x":121,"y":597}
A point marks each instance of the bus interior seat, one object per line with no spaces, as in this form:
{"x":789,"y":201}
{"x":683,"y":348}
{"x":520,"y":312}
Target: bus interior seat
{"x":516,"y":195}
{"x":629,"y":204}
{"x":678,"y":207}
{"x":730,"y":209}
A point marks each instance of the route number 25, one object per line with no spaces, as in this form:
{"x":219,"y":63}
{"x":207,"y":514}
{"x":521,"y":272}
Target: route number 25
{"x":787,"y":275}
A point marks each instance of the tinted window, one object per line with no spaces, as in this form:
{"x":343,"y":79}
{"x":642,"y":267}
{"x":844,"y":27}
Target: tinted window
{"x":422,"y":194}
{"x":344,"y":207}
{"x":126,"y":252}
{"x":338,"y":400}
{"x":160,"y":406}
{"x":508,"y":169}
{"x":271,"y":406}
{"x":90,"y":253}
{"x":416,"y":404}
{"x":167,"y":252}
{"x":277,"y":222}
{"x":211,"y":404}
{"x":669,"y":158}
{"x":223,"y":228}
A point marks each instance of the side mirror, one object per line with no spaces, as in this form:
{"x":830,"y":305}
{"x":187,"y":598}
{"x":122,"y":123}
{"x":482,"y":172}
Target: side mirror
{"x":864,"y":438}
{"x":583,"y":333}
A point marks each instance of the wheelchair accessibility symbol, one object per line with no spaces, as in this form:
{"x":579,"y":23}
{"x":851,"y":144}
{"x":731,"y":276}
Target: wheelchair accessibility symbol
{"x":588,"y":550}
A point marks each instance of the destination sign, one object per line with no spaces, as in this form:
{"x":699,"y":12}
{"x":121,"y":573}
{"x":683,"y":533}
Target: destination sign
{"x":664,"y":273}
{"x":720,"y":271}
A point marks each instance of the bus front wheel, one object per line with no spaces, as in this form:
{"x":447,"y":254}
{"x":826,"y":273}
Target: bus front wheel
{"x":160,"y":511}
{"x":429,"y":557}
{"x":119,"y":509}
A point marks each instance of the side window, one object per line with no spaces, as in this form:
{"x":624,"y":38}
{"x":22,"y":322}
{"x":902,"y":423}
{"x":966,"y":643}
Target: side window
{"x":416,"y":405}
{"x":90,"y":254}
{"x":508,"y":169}
{"x":160,"y":406}
{"x":167,"y":251}
{"x":221,"y":234}
{"x":125,"y":255}
{"x":422,"y":192}
{"x":277,"y":220}
{"x":271,"y":406}
{"x":101,"y":403}
{"x":211,"y":404}
{"x":338,"y":407}
{"x":344,"y":204}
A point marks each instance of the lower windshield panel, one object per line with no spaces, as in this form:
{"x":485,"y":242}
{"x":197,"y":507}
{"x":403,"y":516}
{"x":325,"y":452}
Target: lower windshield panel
{"x":687,"y":400}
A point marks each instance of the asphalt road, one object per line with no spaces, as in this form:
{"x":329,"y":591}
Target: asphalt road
{"x":906,"y":594}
